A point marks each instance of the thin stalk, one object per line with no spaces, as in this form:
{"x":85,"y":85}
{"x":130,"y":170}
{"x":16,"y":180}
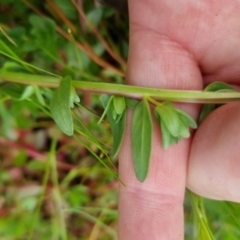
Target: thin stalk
{"x":77,"y":52}
{"x":89,"y":135}
{"x":6,"y":36}
{"x":189,"y":96}
{"x":84,"y":74}
{"x":12,"y":53}
{"x":40,"y":200}
{"x":154,"y":102}
{"x":56,"y":192}
{"x":202,"y":225}
{"x":27,"y":64}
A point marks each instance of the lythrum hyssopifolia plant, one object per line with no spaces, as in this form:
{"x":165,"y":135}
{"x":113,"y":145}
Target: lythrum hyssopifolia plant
{"x":175,"y":124}
{"x":52,"y":67}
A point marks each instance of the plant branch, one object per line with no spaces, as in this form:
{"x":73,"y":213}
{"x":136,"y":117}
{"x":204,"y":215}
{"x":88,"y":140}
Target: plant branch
{"x":189,"y":96}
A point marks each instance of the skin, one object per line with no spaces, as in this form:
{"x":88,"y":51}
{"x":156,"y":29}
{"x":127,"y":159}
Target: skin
{"x":181,"y":45}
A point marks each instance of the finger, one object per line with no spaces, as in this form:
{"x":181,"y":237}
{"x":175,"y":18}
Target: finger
{"x":153,"y":209}
{"x":214,"y":165}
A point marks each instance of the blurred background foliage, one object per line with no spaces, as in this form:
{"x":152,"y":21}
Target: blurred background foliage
{"x":53,"y":186}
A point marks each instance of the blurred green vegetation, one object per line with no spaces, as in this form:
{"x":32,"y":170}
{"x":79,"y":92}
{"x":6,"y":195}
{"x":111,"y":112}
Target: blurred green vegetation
{"x":53,"y":186}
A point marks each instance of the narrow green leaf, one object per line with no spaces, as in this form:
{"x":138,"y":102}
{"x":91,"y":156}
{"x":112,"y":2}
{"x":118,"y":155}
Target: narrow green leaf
{"x":174,"y":140}
{"x":141,"y":139}
{"x":39,"y":95}
{"x":173,"y":130}
{"x":106,"y":102}
{"x":166,"y":136}
{"x":170,"y":118}
{"x":186,"y":118}
{"x":206,"y":110}
{"x":183,"y":129}
{"x":213,"y":87}
{"x":60,"y":107}
{"x":118,"y":130}
{"x":74,"y":98}
{"x":117,"y":125}
{"x":114,"y":114}
{"x":28,"y":91}
{"x":119,"y":104}
{"x":216,"y":86}
{"x":118,"y":118}
{"x":13,"y":67}
{"x":104,"y":98}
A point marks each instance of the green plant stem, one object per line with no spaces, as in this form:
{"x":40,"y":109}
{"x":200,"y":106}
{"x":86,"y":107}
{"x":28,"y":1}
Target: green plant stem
{"x":56,"y":192}
{"x":126,"y":90}
{"x":28,"y":67}
{"x":154,"y":102}
{"x":202,"y":225}
{"x":40,"y":200}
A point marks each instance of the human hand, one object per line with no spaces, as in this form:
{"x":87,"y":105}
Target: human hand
{"x":181,"y":45}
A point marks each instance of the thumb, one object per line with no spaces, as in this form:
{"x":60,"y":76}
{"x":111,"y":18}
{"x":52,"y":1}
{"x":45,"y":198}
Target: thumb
{"x":214,"y":160}
{"x":153,"y":209}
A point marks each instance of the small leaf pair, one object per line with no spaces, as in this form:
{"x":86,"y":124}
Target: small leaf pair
{"x":174,"y":123}
{"x":115,"y":109}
